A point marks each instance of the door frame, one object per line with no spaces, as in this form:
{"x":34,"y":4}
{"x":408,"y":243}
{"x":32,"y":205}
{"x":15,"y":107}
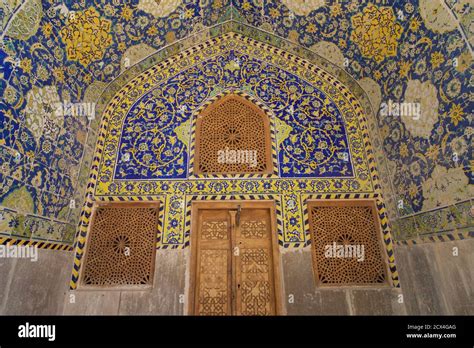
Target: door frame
{"x":230,"y":204}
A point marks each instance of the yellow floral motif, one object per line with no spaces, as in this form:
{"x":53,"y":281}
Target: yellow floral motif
{"x":342,"y":43}
{"x":433,"y":152}
{"x":413,"y":190}
{"x":25,"y":65}
{"x":246,"y":5}
{"x":456,"y":113}
{"x":86,"y":36}
{"x":414,"y":24}
{"x":376,"y":32}
{"x":311,"y":28}
{"x":122,"y":46}
{"x":47,"y":29}
{"x":217,"y":4}
{"x":437,"y":59}
{"x":274,"y":13}
{"x":127,"y":13}
{"x":405,"y":68}
{"x":152,"y":31}
{"x":336,"y":10}
{"x":58,"y":74}
{"x":404,"y":150}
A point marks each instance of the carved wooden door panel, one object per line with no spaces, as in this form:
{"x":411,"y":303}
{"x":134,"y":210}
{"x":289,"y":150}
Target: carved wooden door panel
{"x":213,"y":275}
{"x":234,"y":264}
{"x":253,"y":264}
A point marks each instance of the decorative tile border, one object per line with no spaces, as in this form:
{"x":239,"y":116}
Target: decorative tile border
{"x":35,"y":243}
{"x":446,"y":237}
{"x":448,"y":220}
{"x":37,"y":228}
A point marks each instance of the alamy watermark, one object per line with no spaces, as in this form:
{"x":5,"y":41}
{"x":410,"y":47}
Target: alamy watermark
{"x":37,"y":331}
{"x":237,"y":157}
{"x":19,"y":252}
{"x":404,"y":109}
{"x":335,"y":250}
{"x":76,"y":109}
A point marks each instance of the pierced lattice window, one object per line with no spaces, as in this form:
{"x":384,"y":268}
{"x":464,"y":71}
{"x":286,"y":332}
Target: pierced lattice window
{"x":233,"y":137}
{"x":346,"y":243}
{"x":120,"y":249}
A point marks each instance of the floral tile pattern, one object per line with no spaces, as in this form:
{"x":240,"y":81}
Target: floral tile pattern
{"x":231,"y":63}
{"x":55,"y":52}
{"x":51,"y":53}
{"x":315,"y":144}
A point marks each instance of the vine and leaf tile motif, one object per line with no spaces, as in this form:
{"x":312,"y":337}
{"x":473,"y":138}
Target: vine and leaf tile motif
{"x":322,"y":136}
{"x":315,"y":145}
{"x":413,"y":50}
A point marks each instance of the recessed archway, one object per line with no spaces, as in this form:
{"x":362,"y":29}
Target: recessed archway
{"x":321,"y":142}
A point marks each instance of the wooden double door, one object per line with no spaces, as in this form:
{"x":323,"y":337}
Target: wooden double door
{"x":234,"y":261}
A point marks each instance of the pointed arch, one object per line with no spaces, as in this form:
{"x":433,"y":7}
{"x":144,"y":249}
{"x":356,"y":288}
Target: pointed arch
{"x":233,"y":137}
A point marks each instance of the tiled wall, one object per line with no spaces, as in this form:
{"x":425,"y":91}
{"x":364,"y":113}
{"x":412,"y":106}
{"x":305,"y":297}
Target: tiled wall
{"x":59,"y":52}
{"x":270,"y":77}
{"x":426,"y":56}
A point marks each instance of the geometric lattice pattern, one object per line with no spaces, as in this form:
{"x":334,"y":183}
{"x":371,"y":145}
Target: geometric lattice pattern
{"x":214,"y":230}
{"x":346,"y":243}
{"x":213,"y":264}
{"x":232,"y":137}
{"x":121,"y":246}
